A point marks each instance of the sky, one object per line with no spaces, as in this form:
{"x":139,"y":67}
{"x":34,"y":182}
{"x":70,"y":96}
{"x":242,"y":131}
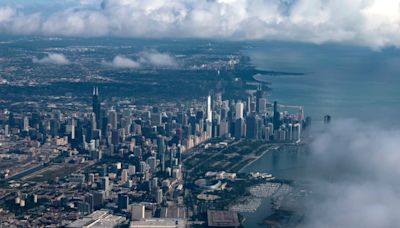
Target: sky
{"x":371,"y":23}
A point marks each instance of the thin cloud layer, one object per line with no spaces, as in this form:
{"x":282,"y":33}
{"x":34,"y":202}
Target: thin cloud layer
{"x":357,"y":169}
{"x":375,"y":23}
{"x":52,"y":58}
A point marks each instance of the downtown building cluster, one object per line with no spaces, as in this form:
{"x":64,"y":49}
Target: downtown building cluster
{"x":125,"y":160}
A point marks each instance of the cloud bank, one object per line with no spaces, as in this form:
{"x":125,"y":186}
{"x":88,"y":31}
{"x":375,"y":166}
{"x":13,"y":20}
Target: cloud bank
{"x":375,"y":23}
{"x":52,"y":58}
{"x":152,"y":58}
{"x":357,"y":168}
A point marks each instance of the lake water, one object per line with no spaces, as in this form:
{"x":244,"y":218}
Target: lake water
{"x":343,"y":81}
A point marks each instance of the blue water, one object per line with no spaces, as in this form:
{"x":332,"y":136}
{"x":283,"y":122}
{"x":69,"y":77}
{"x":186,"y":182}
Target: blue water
{"x":343,"y":81}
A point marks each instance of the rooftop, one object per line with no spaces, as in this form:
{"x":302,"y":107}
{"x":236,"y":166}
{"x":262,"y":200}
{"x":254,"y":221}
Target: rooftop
{"x":222,"y":219}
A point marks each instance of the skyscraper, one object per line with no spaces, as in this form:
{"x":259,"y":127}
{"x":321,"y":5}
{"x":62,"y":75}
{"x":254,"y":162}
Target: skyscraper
{"x":209,"y":110}
{"x":251,"y":127}
{"x":26,"y":124}
{"x":123,"y":201}
{"x":260,"y":94}
{"x":239,"y":110}
{"x":277,"y":116}
{"x":113,"y":119}
{"x":96,"y":106}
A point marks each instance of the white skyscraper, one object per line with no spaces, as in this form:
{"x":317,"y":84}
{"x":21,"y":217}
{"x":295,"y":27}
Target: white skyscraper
{"x":209,"y":110}
{"x":26,"y":123}
{"x":113,"y":119}
{"x":239,"y":110}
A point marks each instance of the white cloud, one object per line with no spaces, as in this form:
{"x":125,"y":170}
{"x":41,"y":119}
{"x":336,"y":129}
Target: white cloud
{"x":52,"y":58}
{"x":145,"y":59}
{"x":6,"y":13}
{"x":157,"y":59}
{"x":89,"y":2}
{"x":357,"y":168}
{"x":375,"y":23}
{"x":120,"y":61}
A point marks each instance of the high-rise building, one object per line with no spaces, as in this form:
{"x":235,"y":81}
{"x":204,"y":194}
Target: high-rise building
{"x":262,"y":105}
{"x":113,"y":119}
{"x":277,"y":117}
{"x":105,"y":184}
{"x":251,"y":127}
{"x":89,"y":199}
{"x":209,"y":110}
{"x":123,"y":201}
{"x":124,"y":176}
{"x":26,"y":123}
{"x":240,"y":128}
{"x":159,"y":196}
{"x":239,"y":110}
{"x":260,"y":94}
{"x":93,"y":122}
{"x":160,"y":145}
{"x":96,"y":107}
{"x":297,"y":132}
{"x":98,"y":199}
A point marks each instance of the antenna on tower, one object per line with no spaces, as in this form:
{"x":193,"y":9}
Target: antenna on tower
{"x":95,"y":90}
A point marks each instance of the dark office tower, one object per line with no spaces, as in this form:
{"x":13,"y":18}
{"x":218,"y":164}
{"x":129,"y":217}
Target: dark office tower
{"x":105,"y":170}
{"x":327,"y":119}
{"x":192,"y":122}
{"x":171,"y":156}
{"x":199,"y":115}
{"x":179,"y":154}
{"x":11,"y":120}
{"x":96,"y":106}
{"x":35,"y":119}
{"x":115,"y":136}
{"x":123,"y":201}
{"x":181,"y":118}
{"x":163,"y":162}
{"x":277,"y":117}
{"x":98,"y":199}
{"x":83,"y":208}
{"x":160,"y":146}
{"x":54,"y":127}
{"x":89,"y":199}
{"x":104,"y":124}
{"x":239,"y":127}
{"x":251,"y":127}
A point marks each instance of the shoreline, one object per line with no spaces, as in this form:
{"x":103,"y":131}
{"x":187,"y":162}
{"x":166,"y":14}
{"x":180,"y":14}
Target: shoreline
{"x":257,"y":158}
